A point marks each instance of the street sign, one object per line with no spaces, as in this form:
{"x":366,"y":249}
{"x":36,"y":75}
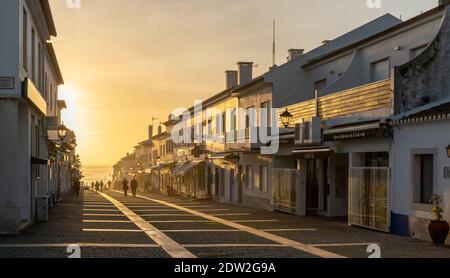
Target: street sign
{"x":447,"y":172}
{"x":6,"y":83}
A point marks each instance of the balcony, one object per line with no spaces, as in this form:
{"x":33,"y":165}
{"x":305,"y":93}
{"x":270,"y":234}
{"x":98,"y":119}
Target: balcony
{"x":374,"y":99}
{"x":247,"y":139}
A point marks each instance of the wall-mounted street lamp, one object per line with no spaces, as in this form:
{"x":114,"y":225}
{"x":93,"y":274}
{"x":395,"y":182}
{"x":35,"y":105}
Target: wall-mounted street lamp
{"x":448,"y":151}
{"x":62,"y":132}
{"x":286,"y":118}
{"x":73,"y":145}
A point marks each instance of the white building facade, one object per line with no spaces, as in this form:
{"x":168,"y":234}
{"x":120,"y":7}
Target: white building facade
{"x":29,"y":79}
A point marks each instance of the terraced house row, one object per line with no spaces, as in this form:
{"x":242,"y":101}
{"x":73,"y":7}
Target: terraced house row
{"x":37,"y":152}
{"x":360,"y":125}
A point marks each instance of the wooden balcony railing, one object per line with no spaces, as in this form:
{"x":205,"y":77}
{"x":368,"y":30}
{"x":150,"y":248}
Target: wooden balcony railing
{"x":360,"y":99}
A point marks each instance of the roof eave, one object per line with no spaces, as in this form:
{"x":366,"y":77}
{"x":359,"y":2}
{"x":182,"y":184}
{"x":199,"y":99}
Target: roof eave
{"x":49,"y":17}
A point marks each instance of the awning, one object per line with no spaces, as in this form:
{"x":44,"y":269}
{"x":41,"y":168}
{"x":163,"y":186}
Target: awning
{"x":160,"y":166}
{"x":353,"y":131}
{"x":312,"y":150}
{"x":189,"y":166}
{"x":38,"y":161}
{"x":177,"y":168}
{"x":223,"y":156}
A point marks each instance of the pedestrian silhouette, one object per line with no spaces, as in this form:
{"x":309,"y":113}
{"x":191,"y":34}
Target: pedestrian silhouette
{"x":101,"y":186}
{"x":125,"y":187}
{"x":76,"y":187}
{"x":97,"y":186}
{"x":134,"y":186}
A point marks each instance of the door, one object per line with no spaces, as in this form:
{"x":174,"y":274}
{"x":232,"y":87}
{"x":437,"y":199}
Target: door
{"x":239,"y":184}
{"x":312,"y":185}
{"x":369,"y":187}
{"x":216,"y":183}
{"x":209,"y":189}
{"x":232,"y":184}
{"x":222,"y":182}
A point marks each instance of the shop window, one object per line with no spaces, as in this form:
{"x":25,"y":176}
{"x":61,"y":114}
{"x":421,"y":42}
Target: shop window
{"x":423,"y":178}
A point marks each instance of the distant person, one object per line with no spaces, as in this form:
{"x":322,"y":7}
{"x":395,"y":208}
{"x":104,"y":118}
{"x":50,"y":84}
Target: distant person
{"x":134,"y":186}
{"x":92,"y":185}
{"x":101,"y":186}
{"x":77,"y":187}
{"x":109,"y":185}
{"x":125,"y":187}
{"x":97,"y":186}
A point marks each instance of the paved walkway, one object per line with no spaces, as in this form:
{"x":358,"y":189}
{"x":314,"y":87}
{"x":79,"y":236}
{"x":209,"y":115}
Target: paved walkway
{"x":155,"y":226}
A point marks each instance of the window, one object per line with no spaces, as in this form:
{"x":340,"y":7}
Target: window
{"x":46,"y":88}
{"x":33,"y":55}
{"x":219,"y":123}
{"x":250,"y":177}
{"x":250,"y":117}
{"x":264,"y":114}
{"x":51,"y":96}
{"x":379,"y":70}
{"x":224,"y":122}
{"x":25,"y":39}
{"x":415,"y":52}
{"x":423,"y":178}
{"x":263,"y":179}
{"x":319,"y":86}
{"x":40,"y":67}
{"x":210,"y":128}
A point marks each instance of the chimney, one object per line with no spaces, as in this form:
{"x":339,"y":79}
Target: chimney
{"x":294,"y":53}
{"x":150,"y":132}
{"x":231,"y":79}
{"x":245,"y":72}
{"x":444,"y":2}
{"x":159,"y":129}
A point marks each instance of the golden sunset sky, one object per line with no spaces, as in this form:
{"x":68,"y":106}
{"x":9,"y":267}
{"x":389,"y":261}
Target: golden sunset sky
{"x":126,"y":61}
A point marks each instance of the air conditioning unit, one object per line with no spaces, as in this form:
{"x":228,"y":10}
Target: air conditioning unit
{"x":309,"y":131}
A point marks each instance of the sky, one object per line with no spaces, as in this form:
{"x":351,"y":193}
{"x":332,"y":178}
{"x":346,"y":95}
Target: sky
{"x":125,"y":62}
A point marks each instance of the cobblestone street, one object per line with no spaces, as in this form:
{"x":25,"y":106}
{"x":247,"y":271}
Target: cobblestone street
{"x":153,"y":226}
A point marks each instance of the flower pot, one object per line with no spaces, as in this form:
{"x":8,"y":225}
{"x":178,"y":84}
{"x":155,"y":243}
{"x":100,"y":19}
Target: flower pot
{"x":438,"y":231}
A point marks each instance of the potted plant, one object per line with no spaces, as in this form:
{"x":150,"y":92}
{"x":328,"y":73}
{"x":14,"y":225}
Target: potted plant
{"x":438,"y":228}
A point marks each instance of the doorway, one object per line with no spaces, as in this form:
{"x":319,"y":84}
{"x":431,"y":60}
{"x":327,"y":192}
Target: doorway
{"x":312,"y":186}
{"x":209,"y":186}
{"x":217,"y":182}
{"x":232,"y":185}
{"x":239,"y":184}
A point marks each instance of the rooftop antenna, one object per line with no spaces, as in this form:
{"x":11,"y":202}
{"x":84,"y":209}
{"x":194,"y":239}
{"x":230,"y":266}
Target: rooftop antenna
{"x":274,"y":45}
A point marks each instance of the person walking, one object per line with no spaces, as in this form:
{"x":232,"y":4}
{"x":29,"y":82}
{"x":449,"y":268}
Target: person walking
{"x":97,"y":186}
{"x":101,"y":186}
{"x":92,"y":185}
{"x":134,"y":186}
{"x":77,"y":187}
{"x":125,"y":187}
{"x":109,"y":185}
